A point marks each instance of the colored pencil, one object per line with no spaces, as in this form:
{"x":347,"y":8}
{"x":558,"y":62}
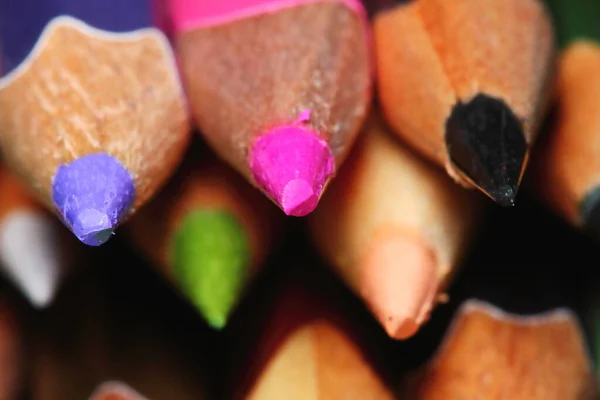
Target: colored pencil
{"x":466,"y":83}
{"x":35,"y":252}
{"x":591,"y":303}
{"x":394,"y":229}
{"x":92,"y":113}
{"x":209,"y":232}
{"x":11,"y":352}
{"x":308,"y":350}
{"x":278,"y":88}
{"x":566,"y":165}
{"x":592,"y":320}
{"x":111,"y":323}
{"x":491,"y":354}
{"x":115,"y":390}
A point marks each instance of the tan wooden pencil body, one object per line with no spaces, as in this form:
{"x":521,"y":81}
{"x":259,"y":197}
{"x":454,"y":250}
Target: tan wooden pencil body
{"x":287,"y":118}
{"x":209,"y":232}
{"x":494,"y":355}
{"x":94,"y":122}
{"x":394,"y":228}
{"x":466,"y":83}
{"x":35,"y":250}
{"x":311,"y":353}
{"x":567,"y":165}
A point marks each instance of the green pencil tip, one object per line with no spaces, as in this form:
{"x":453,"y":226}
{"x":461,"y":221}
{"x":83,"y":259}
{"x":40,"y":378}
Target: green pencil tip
{"x":211,"y":258}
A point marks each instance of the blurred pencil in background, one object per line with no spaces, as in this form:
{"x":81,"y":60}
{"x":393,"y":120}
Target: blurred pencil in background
{"x":35,"y":250}
{"x":567,"y":165}
{"x":12,"y":348}
{"x":92,"y":113}
{"x":278,"y":89}
{"x":118,"y":322}
{"x":115,"y":390}
{"x":394,"y":228}
{"x":488,"y":353}
{"x":465,"y":82}
{"x":209,"y":232}
{"x":307,"y":349}
{"x":592,"y":322}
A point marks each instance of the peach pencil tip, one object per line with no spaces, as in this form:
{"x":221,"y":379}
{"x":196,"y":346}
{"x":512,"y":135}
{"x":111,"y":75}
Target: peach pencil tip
{"x":292,"y":164}
{"x":401,"y":294}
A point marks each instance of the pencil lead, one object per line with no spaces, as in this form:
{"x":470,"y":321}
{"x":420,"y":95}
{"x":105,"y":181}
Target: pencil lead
{"x":400,"y":294}
{"x":93,"y":194}
{"x":29,"y":253}
{"x":485,"y":140}
{"x":292,"y":165}
{"x":211,"y":259}
{"x":590,"y":213}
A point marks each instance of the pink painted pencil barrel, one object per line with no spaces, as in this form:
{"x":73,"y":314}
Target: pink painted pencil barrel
{"x":279,"y":89}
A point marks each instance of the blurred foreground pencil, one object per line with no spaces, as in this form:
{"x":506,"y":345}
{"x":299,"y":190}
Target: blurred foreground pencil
{"x":567,"y":164}
{"x":490,"y":354}
{"x":465,"y":82}
{"x":11,"y":351}
{"x":115,"y":390}
{"x":307,"y":351}
{"x":591,"y":310}
{"x":592,"y":320}
{"x":394,"y":228}
{"x":279,"y":89}
{"x":35,"y":252}
{"x":209,"y":232}
{"x":92,"y":113}
{"x":101,"y":329}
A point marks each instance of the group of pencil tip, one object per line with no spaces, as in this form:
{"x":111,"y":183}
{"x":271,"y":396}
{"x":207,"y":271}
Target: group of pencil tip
{"x":200,"y":125}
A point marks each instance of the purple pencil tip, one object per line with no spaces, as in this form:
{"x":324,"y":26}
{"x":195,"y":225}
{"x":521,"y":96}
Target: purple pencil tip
{"x":92,"y":195}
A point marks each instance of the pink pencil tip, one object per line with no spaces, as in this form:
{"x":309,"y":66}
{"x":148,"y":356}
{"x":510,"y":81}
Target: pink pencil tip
{"x":298,"y":198}
{"x":292,"y":165}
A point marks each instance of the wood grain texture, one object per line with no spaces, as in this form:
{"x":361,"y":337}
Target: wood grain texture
{"x":205,"y":184}
{"x":492,"y":355}
{"x":432,"y":54}
{"x":82,"y":91}
{"x":318,"y":361}
{"x":312,"y":352}
{"x":248,"y":76}
{"x":385,"y":190}
{"x":567,"y":166}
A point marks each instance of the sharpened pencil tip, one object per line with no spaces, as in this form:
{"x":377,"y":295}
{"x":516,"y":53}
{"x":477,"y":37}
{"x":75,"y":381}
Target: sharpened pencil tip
{"x":399,"y":282}
{"x":92,"y":227}
{"x":589,"y":212}
{"x":292,"y":165}
{"x":92,"y":195}
{"x":298,"y":198}
{"x":211,"y":261}
{"x":31,"y":255}
{"x":485,"y":140}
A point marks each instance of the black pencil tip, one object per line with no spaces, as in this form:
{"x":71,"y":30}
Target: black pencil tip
{"x":485,"y":141}
{"x":589,"y":212}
